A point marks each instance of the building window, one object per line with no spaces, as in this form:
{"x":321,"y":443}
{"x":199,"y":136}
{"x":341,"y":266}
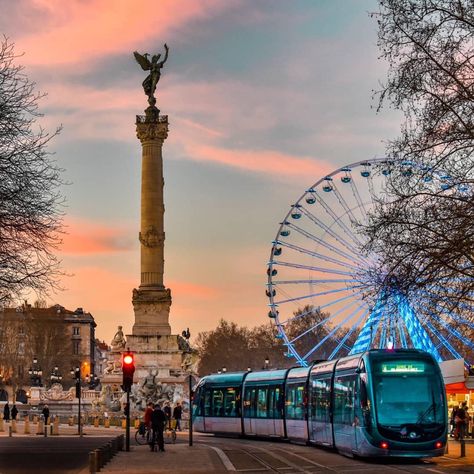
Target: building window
{"x":21,"y":330}
{"x":21,"y":348}
{"x":76,"y":347}
{"x":75,"y":331}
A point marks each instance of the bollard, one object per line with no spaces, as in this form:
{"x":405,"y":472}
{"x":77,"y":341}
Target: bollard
{"x":40,"y":428}
{"x":14,"y":426}
{"x":10,"y":431}
{"x":27,"y":426}
{"x":45,"y":431}
{"x":463,"y":448}
{"x":97,"y":459}
{"x":107,"y":423}
{"x":124,"y":423}
{"x":137,"y":423}
{"x":96,"y":422}
{"x":92,"y":463}
{"x":55,"y":427}
{"x":1,"y":424}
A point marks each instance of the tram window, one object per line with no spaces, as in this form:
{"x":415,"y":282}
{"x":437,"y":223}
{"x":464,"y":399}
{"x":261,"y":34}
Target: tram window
{"x":295,"y":401}
{"x":217,"y":402}
{"x":249,"y":402}
{"x":344,"y":387}
{"x":230,"y":401}
{"x":262,"y":402}
{"x":207,"y":402}
{"x":275,"y":401}
{"x":320,"y":399}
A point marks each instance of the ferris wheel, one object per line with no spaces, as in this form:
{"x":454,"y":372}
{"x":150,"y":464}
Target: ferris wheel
{"x":320,"y":281}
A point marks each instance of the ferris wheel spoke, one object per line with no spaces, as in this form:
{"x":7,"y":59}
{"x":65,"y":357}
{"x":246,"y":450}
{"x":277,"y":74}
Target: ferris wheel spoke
{"x":402,"y":335}
{"x":356,"y":194}
{"x":326,"y":305}
{"x":338,"y":221}
{"x":327,"y":245}
{"x":315,"y":254}
{"x":349,"y":333}
{"x":331,"y":333}
{"x":315,"y":281}
{"x":324,"y":321}
{"x":452,"y":315}
{"x":443,"y":340}
{"x":310,"y":267}
{"x":329,"y":231}
{"x":348,"y":210}
{"x":451,"y":330}
{"x":314,"y":295}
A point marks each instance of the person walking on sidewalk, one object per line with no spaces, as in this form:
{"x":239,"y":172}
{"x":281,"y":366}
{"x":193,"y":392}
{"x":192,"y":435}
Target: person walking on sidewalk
{"x":45,"y":414}
{"x":6,"y":412}
{"x":167,"y":410}
{"x":177,"y":412}
{"x":14,"y":412}
{"x":158,"y":420}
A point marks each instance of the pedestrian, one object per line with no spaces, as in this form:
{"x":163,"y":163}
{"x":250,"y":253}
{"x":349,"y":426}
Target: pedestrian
{"x":45,"y":413}
{"x":167,"y":410}
{"x":177,"y":412}
{"x":14,"y":412}
{"x":6,"y":412}
{"x":158,"y":420}
{"x":460,"y":420}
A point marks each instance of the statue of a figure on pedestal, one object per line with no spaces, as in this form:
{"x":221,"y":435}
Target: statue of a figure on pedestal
{"x":151,"y":81}
{"x":118,"y":342}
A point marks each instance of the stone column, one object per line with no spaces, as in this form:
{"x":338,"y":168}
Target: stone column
{"x":151,"y":301}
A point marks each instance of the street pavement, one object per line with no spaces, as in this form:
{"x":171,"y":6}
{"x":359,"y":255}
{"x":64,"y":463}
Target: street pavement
{"x":221,"y":455}
{"x":68,"y":453}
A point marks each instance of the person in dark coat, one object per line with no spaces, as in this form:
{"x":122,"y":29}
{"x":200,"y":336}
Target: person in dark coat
{"x":14,"y":412}
{"x":177,"y":413}
{"x":45,"y":413}
{"x":158,"y":420}
{"x":6,"y":412}
{"x":167,"y":410}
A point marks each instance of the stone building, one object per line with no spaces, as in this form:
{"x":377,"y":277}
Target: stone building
{"x":55,"y":336}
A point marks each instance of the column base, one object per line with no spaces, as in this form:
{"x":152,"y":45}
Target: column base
{"x":151,"y":306}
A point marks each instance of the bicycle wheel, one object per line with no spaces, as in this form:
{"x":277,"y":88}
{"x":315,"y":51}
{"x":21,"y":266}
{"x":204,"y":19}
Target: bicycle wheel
{"x":141,"y":438}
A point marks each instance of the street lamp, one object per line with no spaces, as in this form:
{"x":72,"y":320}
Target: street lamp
{"x":76,"y":374}
{"x":92,"y":380}
{"x":267,"y":362}
{"x":35,"y":373}
{"x":249,"y":369}
{"x":224,"y":369}
{"x":56,"y":376}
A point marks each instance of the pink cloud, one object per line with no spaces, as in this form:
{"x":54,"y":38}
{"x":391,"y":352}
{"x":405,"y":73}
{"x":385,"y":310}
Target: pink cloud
{"x":89,"y":237}
{"x":76,"y":31}
{"x":263,"y":161}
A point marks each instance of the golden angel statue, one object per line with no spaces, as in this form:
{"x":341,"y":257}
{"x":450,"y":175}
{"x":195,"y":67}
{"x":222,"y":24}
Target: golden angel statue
{"x":149,"y":84}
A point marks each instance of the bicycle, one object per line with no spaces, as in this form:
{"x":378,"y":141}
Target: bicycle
{"x":143,"y":434}
{"x":170,"y":431}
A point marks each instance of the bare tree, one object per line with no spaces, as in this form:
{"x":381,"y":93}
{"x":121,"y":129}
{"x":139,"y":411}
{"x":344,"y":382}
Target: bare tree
{"x":423,"y":229}
{"x":30,"y":200}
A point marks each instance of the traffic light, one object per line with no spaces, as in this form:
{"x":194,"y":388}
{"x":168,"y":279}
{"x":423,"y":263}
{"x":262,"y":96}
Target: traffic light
{"x":128,"y":369}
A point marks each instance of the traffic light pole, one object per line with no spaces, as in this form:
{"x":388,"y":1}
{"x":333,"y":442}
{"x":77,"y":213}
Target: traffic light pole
{"x":127,"y":424}
{"x":79,"y":427}
{"x":190,"y":410}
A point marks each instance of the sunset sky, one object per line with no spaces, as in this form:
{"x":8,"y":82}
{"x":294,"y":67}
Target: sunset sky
{"x":264,"y":97}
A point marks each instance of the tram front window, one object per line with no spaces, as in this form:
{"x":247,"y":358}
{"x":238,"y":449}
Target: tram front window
{"x":408,"y":393}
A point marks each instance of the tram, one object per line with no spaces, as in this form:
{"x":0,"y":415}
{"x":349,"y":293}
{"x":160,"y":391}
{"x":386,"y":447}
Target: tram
{"x":381,"y":403}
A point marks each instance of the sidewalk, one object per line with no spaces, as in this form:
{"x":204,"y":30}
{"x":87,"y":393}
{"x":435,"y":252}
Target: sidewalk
{"x":179,"y":458}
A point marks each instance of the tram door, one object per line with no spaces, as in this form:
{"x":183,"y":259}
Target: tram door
{"x":344,"y":421}
{"x":320,"y":430}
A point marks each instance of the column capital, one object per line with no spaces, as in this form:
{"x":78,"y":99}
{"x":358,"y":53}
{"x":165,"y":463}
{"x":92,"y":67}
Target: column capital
{"x":151,"y":130}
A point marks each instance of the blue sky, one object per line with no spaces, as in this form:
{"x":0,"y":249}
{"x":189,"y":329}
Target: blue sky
{"x":263,"y":98}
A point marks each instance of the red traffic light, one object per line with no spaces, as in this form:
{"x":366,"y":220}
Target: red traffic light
{"x":128,"y":359}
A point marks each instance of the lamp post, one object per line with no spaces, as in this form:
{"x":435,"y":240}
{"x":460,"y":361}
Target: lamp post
{"x":267,"y":362}
{"x":55,"y":376}
{"x":35,"y":373}
{"x":224,"y":369}
{"x":76,"y":374}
